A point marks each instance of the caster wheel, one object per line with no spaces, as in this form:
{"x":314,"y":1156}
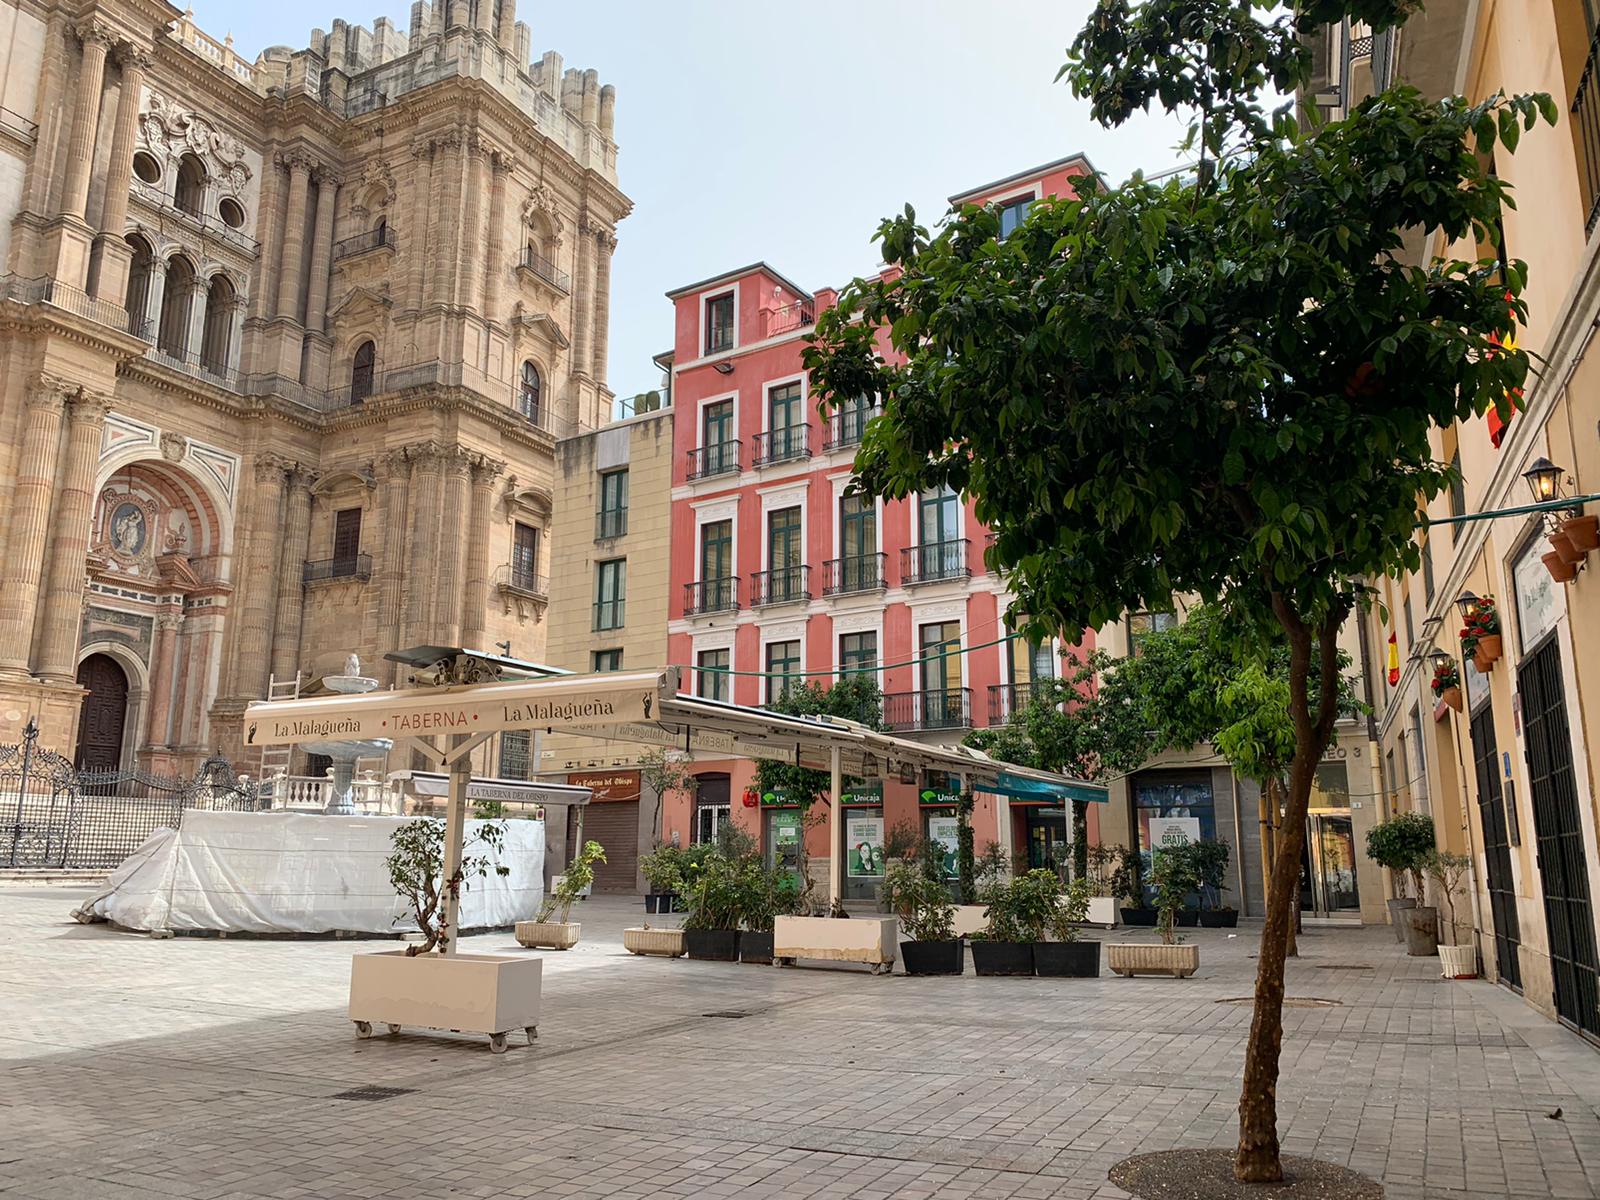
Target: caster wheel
{"x":533,"y":1034}
{"x":393,"y":1029}
{"x":497,"y":1043}
{"x":363,"y":1029}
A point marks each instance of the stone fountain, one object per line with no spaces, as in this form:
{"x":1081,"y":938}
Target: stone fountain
{"x":345,"y":752}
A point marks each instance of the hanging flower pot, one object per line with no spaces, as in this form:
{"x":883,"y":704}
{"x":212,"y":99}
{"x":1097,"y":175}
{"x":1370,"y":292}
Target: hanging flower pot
{"x":1482,"y":664}
{"x":1452,"y":697}
{"x":1562,"y":545}
{"x":1583,"y":532}
{"x":1489,"y":648}
{"x":1560,"y":569}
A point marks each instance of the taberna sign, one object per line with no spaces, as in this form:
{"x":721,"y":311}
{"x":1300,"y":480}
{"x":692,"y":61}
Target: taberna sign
{"x":566,"y":703}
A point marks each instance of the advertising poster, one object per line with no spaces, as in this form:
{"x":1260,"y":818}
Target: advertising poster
{"x":944,"y":830}
{"x":1173,"y":831}
{"x":864,"y":843}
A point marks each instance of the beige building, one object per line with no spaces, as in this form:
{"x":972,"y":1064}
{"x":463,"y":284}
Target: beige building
{"x":1510,"y":779}
{"x":288,"y":346}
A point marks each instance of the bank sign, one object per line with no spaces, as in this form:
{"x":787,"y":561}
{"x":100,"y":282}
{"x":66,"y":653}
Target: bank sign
{"x":557,"y":705}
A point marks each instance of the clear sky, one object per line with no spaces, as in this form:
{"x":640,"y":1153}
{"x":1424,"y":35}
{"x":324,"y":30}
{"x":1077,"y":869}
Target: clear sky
{"x":754,"y":129}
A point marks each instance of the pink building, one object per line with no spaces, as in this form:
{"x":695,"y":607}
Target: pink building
{"x":775,"y":570}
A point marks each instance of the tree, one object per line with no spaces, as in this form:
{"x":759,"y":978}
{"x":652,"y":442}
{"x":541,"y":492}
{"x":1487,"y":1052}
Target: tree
{"x":664,"y":771}
{"x":1219,"y":385}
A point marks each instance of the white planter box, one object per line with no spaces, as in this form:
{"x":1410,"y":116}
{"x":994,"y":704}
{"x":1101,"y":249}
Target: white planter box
{"x":870,"y":940}
{"x":1138,"y":958}
{"x":970,"y":919}
{"x":1458,"y":962}
{"x":553,"y":935}
{"x":1103,"y":911}
{"x":467,"y":993}
{"x":666,"y":942}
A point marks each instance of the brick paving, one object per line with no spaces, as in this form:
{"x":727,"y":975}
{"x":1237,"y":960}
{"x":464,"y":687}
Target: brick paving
{"x":206,"y":1068}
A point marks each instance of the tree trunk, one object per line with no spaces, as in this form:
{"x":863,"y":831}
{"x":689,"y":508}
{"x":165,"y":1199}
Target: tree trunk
{"x":1257,"y":1159}
{"x":1080,"y":839}
{"x":1271,"y":810}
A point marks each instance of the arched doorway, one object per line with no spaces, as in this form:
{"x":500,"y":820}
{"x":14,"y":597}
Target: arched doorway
{"x":105,"y":714}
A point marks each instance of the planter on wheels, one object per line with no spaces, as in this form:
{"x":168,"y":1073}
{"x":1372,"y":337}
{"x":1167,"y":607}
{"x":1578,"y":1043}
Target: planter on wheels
{"x":1103,"y":911}
{"x":1139,"y":916}
{"x":1458,"y":962}
{"x":933,"y":958}
{"x":712,"y":945}
{"x":467,"y":993}
{"x":870,"y":940}
{"x":550,"y":935}
{"x":668,"y":943}
{"x":1137,"y":958}
{"x":755,"y":947}
{"x":1219,"y":918}
{"x":1422,"y":931}
{"x":1397,"y":907}
{"x":1001,"y":958}
{"x":1067,"y":960}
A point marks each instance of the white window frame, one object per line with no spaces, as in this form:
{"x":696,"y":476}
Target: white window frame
{"x":703,"y":327}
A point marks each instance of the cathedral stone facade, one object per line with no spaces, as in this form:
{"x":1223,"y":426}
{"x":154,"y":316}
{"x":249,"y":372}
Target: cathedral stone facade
{"x":287,"y":346}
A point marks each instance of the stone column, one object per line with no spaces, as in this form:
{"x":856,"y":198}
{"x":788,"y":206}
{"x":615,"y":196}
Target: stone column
{"x":97,"y":39}
{"x":583,"y":300}
{"x":159,"y":703}
{"x":112,"y":282}
{"x":260,"y":569}
{"x":30,"y":521}
{"x":506,"y":35}
{"x":417,"y":248}
{"x":294,"y":239}
{"x":321,"y":252}
{"x":422,"y":538}
{"x":470,"y":254}
{"x":446,"y":175}
{"x":63,"y":614}
{"x":194,"y":342}
{"x":605,"y":246}
{"x":291,"y":559}
{"x":453,"y":534}
{"x":241,"y":308}
{"x":494,"y":267}
{"x":484,"y":17}
{"x":394,"y":473}
{"x":475,"y":595}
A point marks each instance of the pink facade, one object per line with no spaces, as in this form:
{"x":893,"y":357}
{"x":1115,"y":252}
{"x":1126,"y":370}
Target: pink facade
{"x":773,"y":569}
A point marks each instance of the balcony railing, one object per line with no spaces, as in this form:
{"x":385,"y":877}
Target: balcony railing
{"x":1586,"y":120}
{"x":190,"y":363}
{"x":610,"y":523}
{"x":785,"y":585}
{"x":846,"y":425}
{"x":711,"y":596}
{"x":719,"y":458}
{"x":787,"y":318}
{"x":610,"y":614}
{"x":933,"y":561}
{"x":46,"y":290}
{"x":349,"y":566}
{"x":546,"y":270}
{"x":525,"y":579}
{"x":372,"y":239}
{"x":786,"y":444}
{"x":856,"y":573}
{"x":1005,"y":700}
{"x":935,"y":708}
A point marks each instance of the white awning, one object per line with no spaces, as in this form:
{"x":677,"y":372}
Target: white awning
{"x":507,"y":791}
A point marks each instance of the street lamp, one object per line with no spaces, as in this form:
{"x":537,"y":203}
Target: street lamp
{"x":1440,"y":658}
{"x":1467,"y":602}
{"x":1544,"y":480}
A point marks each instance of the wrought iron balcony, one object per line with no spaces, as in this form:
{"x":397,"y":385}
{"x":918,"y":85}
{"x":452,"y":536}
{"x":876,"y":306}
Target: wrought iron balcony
{"x":711,"y":596}
{"x":372,"y":239}
{"x":934,"y":561}
{"x":788,"y":444}
{"x":846,"y":425}
{"x":546,"y":270}
{"x":348,"y":566}
{"x":934,"y":708}
{"x":1005,"y":700}
{"x":610,"y":523}
{"x":855,"y":573}
{"x":787,"y":318}
{"x":785,"y":585}
{"x":719,"y":458}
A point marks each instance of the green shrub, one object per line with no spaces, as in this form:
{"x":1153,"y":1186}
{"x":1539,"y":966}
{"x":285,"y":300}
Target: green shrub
{"x":1403,"y":843}
{"x":663,"y":868}
{"x":920,"y":899}
{"x":1172,"y":874}
{"x":578,"y":876}
{"x":713,"y":893}
{"x":1071,"y":912}
{"x":1209,"y":858}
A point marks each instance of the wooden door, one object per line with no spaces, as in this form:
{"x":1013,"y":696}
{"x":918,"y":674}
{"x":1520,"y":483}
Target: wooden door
{"x":105,"y":713}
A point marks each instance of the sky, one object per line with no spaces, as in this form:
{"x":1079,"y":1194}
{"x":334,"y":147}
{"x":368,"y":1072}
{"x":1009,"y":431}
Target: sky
{"x":752,"y":130}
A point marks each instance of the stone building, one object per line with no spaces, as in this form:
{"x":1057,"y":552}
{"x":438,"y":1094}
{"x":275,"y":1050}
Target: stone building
{"x":287,"y":348}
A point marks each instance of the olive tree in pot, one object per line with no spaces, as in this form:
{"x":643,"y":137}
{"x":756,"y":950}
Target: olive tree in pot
{"x":712,"y":896}
{"x":1210,"y":858}
{"x":663,"y":874}
{"x":577,"y":879}
{"x":1068,"y":953}
{"x":1448,"y":872}
{"x":1127,"y":883}
{"x":918,"y":896}
{"x":1173,"y":877}
{"x":767,"y":893}
{"x":1403,"y":844}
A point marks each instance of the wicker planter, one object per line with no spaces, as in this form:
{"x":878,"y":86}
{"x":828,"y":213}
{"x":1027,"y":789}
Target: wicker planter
{"x":712,"y":945}
{"x":1136,"y":958}
{"x":1001,"y":958}
{"x":1067,"y":960}
{"x":756,"y":947}
{"x":1397,"y":908}
{"x":1583,"y":532}
{"x":668,"y":943}
{"x":1458,"y":962}
{"x":548,"y":935}
{"x":933,"y":958}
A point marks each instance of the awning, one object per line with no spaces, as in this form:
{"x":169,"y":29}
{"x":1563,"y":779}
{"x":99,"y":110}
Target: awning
{"x":506,"y":791}
{"x":1046,"y":791}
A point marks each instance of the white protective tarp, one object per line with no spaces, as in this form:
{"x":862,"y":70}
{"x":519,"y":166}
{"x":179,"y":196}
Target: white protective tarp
{"x":282,"y":872}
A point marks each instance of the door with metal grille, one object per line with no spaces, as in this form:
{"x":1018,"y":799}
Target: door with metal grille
{"x":1496,"y":847}
{"x":1563,"y":866}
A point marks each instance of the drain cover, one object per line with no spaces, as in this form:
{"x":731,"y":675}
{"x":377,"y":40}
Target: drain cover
{"x":1288,"y":1001}
{"x":732,"y":1014}
{"x":1342,"y":966}
{"x":372,"y":1092}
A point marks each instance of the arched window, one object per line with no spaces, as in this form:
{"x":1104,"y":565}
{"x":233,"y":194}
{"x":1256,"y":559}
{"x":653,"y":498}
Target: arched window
{"x":361,"y":372}
{"x":219,"y":325}
{"x":529,"y":394}
{"x":191,"y":190}
{"x":173,"y":335}
{"x":139,"y":276}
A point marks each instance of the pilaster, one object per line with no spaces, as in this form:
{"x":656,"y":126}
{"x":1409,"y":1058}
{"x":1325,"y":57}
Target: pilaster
{"x":453,"y":533}
{"x":113,"y":255}
{"x":261,"y":594}
{"x":605,"y":247}
{"x":475,"y":593}
{"x":30,"y":517}
{"x":291,"y":561}
{"x":583,"y":299}
{"x":294,"y":241}
{"x":423,"y":535}
{"x":394,"y":474}
{"x":69,"y":542}
{"x":321,"y":252}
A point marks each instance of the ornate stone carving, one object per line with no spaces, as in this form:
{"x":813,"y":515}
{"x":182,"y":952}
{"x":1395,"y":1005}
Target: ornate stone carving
{"x":174,"y":446}
{"x":96,"y":32}
{"x":606,"y":240}
{"x":174,"y":130}
{"x":135,"y":57}
{"x":272,"y":468}
{"x":295,"y":160}
{"x":90,"y":408}
{"x":485,"y":469}
{"x":128,"y":529}
{"x":49,"y":392}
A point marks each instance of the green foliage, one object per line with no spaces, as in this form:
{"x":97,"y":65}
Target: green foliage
{"x":714,"y":893}
{"x":1449,"y":871}
{"x":664,"y":771}
{"x":916,"y":893}
{"x":416,"y":872}
{"x":1018,"y":910}
{"x":966,"y":864}
{"x":663,"y":868}
{"x":766,"y":893}
{"x":902,"y":840}
{"x":854,"y":697}
{"x":1102,"y":863}
{"x":1071,"y":912}
{"x":1127,"y":881}
{"x":1404,"y":844}
{"x":488,"y":810}
{"x":578,"y":876}
{"x":1209,"y":858}
{"x":1173,"y":876}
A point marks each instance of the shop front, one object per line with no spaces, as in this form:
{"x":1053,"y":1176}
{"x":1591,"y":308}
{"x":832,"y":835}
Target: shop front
{"x":938,"y":801}
{"x":862,"y":822}
{"x":1328,"y":862}
{"x":612,"y":819}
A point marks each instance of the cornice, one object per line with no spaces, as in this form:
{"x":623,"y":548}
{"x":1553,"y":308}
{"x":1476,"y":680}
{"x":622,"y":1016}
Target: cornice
{"x":40,"y":319}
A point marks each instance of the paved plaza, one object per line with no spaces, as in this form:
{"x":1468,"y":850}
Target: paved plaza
{"x":210,"y":1069}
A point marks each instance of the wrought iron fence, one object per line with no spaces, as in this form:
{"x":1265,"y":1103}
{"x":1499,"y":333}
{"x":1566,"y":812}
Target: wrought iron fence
{"x":58,"y":817}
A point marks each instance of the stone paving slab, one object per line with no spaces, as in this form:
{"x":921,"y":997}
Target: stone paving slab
{"x":208,"y":1068}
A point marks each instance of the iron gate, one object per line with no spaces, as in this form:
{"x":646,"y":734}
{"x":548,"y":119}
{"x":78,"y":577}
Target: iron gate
{"x":1563,"y":866}
{"x":1496,"y":847}
{"x":36,"y":787}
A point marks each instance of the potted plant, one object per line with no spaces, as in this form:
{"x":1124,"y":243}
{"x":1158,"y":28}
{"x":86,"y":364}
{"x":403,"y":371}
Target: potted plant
{"x":1447,"y":683}
{"x":1210,"y":858}
{"x":1173,"y":876}
{"x":1403,"y":844}
{"x":569,"y":887}
{"x":1127,"y":884}
{"x":1006,"y":947}
{"x":663,"y":873}
{"x":653,"y":940}
{"x":1560,"y":569}
{"x":1448,"y":872}
{"x":767,"y":893}
{"x":1103,"y":862}
{"x":919,"y":897}
{"x":1068,"y":954}
{"x":712,"y":896}
{"x":1480,"y":634}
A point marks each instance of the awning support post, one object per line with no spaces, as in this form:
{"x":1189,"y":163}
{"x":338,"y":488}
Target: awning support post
{"x":835,"y":832}
{"x":455,"y":821}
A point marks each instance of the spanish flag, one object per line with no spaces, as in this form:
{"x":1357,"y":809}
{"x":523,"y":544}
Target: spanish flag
{"x":1498,"y":427}
{"x":1394,"y":660}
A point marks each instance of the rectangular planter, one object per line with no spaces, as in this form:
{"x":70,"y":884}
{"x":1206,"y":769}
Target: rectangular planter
{"x":933,"y":958}
{"x":660,"y":902}
{"x":971,"y":919}
{"x":755,"y":947}
{"x":1138,"y":916}
{"x":470,"y":993}
{"x":870,"y":940}
{"x":1103,"y":911}
{"x":1001,"y":958}
{"x":712,"y":945}
{"x":551,"y":935}
{"x":1219,"y":918}
{"x":1130,"y":958}
{"x":1067,"y":960}
{"x":666,"y":942}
